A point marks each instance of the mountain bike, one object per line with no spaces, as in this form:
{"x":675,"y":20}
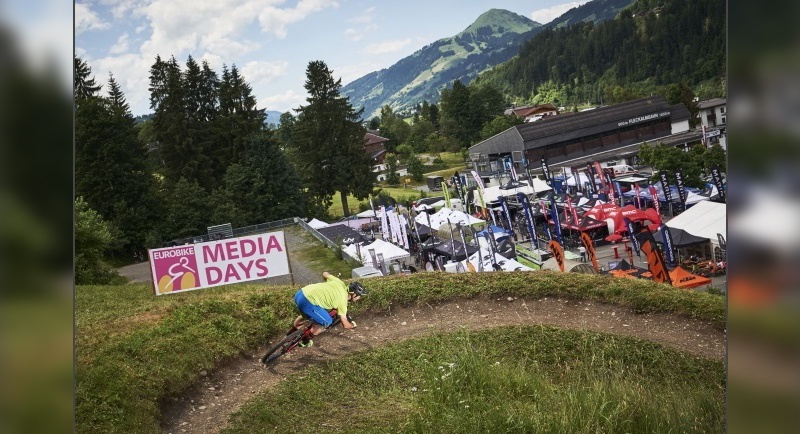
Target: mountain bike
{"x":296,"y":335}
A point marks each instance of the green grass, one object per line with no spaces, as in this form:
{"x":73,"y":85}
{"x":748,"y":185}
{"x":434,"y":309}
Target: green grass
{"x":135,"y":350}
{"x":531,"y":379}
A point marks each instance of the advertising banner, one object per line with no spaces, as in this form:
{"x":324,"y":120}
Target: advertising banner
{"x":507,"y":214}
{"x":717,"y":177}
{"x":681,"y":189}
{"x":669,"y":250}
{"x":665,"y":187}
{"x":655,"y":262}
{"x":654,"y":194}
{"x":632,"y":230}
{"x":556,"y":220}
{"x":526,"y":208}
{"x":590,"y":186}
{"x":546,"y":171}
{"x":546,"y":225}
{"x":234,"y":260}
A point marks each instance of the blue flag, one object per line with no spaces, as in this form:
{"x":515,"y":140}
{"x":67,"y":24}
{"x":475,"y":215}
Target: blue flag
{"x":526,"y":208}
{"x":634,"y":241}
{"x":669,"y":251}
{"x":504,"y":205}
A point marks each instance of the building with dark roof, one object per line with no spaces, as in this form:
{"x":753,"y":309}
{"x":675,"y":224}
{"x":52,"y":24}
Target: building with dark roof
{"x":601,"y":134}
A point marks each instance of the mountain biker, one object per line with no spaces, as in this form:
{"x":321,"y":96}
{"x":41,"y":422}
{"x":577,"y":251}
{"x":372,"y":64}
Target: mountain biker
{"x":315,"y":300}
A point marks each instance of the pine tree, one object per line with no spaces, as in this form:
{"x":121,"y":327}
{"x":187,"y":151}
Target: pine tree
{"x":328,"y":143}
{"x":85,"y":87}
{"x":111,"y":170}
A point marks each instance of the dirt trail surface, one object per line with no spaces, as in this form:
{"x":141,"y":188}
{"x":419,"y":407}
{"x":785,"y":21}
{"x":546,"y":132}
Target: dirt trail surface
{"x":206,"y":407}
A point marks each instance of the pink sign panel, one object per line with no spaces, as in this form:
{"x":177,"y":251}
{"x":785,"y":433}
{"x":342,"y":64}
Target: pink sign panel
{"x":203,"y":265}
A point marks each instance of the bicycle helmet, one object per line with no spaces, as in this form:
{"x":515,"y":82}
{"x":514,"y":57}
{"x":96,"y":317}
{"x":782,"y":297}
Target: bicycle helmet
{"x":357,"y":288}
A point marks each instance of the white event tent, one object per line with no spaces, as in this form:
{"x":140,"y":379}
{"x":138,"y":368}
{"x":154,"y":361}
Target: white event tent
{"x":440,"y":217}
{"x":390,"y":252}
{"x":705,"y":219}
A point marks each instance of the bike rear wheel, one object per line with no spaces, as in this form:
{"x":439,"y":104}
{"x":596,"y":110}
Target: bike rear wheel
{"x":283,"y":346}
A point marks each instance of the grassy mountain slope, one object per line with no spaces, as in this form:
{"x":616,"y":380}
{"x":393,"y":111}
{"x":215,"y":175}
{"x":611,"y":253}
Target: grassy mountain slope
{"x":492,"y":39}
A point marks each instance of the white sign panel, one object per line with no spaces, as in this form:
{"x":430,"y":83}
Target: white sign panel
{"x":233,"y":260}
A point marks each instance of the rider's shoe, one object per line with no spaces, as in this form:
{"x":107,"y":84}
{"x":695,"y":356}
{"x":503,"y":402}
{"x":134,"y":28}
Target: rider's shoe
{"x":305,"y":343}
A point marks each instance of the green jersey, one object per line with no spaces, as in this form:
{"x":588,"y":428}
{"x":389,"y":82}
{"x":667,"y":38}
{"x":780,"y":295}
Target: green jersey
{"x":329,"y":294}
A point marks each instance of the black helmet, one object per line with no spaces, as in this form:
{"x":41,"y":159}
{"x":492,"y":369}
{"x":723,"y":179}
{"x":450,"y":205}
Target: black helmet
{"x":357,"y":289}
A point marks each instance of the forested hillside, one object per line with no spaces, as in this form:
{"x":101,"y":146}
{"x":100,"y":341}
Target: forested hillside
{"x":649,"y":46}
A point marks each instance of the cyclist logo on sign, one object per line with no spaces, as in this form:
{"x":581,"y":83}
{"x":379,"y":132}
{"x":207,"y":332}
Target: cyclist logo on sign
{"x":176,"y":270}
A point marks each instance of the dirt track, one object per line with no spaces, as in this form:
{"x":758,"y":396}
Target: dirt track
{"x":206,"y":407}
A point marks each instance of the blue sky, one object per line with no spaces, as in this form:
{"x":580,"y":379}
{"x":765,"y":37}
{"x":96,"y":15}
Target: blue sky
{"x":271,"y":41}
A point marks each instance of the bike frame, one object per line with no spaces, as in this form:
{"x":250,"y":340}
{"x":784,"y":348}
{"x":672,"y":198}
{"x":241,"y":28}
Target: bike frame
{"x":295,"y":336}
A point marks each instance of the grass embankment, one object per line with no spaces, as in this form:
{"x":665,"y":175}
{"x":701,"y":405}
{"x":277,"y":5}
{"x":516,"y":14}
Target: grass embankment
{"x":134,"y":350}
{"x":532,"y":379}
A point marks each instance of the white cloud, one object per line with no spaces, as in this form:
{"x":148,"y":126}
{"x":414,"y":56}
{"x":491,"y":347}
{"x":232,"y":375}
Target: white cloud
{"x":86,"y":19}
{"x":127,"y":72}
{"x":366,"y":16}
{"x":275,"y":20}
{"x":386,"y":47}
{"x":287,"y":101}
{"x":356,"y":34}
{"x":544,"y":16}
{"x":121,"y":46}
{"x":264,"y":72}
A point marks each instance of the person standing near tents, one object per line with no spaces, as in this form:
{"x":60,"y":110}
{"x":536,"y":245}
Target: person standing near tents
{"x":582,"y":251}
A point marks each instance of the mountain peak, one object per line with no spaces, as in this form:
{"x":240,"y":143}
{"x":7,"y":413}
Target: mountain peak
{"x":501,"y":20}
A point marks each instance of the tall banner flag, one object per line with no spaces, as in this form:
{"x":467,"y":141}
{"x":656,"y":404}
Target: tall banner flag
{"x":546,"y":171}
{"x":385,"y":225}
{"x":619,"y":192}
{"x":655,"y":262}
{"x":669,"y":249}
{"x":599,"y":171}
{"x":722,"y":244}
{"x":717,"y":177}
{"x":506,"y":212}
{"x":638,"y":196}
{"x":572,"y":211}
{"x":232,"y":260}
{"x":403,"y":231}
{"x":514,"y":175}
{"x":575,"y":176}
{"x":459,"y":190}
{"x":632,"y":230}
{"x":591,"y":188}
{"x":446,"y":192}
{"x":654,"y":194}
{"x":556,"y":220}
{"x":526,"y":208}
{"x":665,"y":187}
{"x":679,"y":183}
{"x":482,"y":196}
{"x":394,"y":224}
{"x":546,"y":225}
{"x":610,"y":187}
{"x":589,"y":245}
{"x":558,"y":253}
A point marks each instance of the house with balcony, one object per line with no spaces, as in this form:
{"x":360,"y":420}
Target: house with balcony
{"x":713,"y":112}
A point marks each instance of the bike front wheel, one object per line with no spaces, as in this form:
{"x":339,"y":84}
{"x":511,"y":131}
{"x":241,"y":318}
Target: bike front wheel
{"x":283,"y":346}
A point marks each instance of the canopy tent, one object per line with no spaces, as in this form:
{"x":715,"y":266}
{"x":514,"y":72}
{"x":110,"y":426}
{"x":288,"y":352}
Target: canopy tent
{"x":582,"y":180}
{"x":680,"y":238}
{"x":706,"y":219}
{"x":341,"y":233}
{"x":355,"y":222}
{"x":390,"y":252}
{"x":692,"y":198}
{"x":681,"y":278}
{"x":440,"y":217}
{"x":584,"y":223}
{"x":316,"y":224}
{"x":369,"y":213}
{"x":615,"y":216}
{"x":482,"y":260}
{"x":446,"y":247}
{"x":490,"y":194}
